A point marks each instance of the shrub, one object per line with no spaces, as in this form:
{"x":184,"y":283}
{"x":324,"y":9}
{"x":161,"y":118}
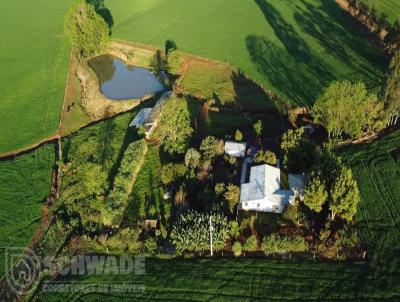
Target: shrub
{"x":265,"y":157}
{"x":150,"y":246}
{"x":234,"y":229}
{"x":237,"y":249}
{"x":238,"y":136}
{"x":251,"y":244}
{"x":284,"y":244}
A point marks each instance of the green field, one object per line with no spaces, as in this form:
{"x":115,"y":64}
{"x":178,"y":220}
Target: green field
{"x":377,"y":170}
{"x":34,"y":62}
{"x":244,"y":280}
{"x":24,"y":185}
{"x":389,"y":8}
{"x":293,"y":47}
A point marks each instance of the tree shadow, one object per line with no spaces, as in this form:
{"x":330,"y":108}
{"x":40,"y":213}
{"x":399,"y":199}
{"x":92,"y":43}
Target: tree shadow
{"x":327,"y":25}
{"x":103,"y":11}
{"x":104,"y":68}
{"x":250,"y":97}
{"x":298,"y":67}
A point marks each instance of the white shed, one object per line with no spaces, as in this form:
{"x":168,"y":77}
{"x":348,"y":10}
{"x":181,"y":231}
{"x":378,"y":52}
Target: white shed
{"x":235,"y":149}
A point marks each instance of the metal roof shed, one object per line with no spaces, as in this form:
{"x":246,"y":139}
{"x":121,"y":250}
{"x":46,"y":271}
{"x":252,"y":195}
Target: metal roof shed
{"x":235,"y":149}
{"x":141,"y":118}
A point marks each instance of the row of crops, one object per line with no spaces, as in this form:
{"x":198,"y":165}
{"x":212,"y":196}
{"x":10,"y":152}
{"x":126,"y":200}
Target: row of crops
{"x":377,"y":170}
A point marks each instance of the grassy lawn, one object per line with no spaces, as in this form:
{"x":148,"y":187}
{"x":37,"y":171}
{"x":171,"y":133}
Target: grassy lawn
{"x":389,"y":8}
{"x":293,"y":47}
{"x":24,"y":185}
{"x":208,"y":81}
{"x":377,"y":170}
{"x":241,"y":280}
{"x":34,"y":62}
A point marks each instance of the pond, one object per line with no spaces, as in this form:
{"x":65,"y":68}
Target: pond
{"x":119,"y":81}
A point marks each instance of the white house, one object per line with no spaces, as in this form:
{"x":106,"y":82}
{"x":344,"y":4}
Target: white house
{"x":235,"y":149}
{"x":263,"y":192}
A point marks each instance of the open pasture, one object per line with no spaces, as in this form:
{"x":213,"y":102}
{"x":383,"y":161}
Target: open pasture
{"x":34,"y":62}
{"x":295,"y":48}
{"x":377,"y":170}
{"x":24,"y":185}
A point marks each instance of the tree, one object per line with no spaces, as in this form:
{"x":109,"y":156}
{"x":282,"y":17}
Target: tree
{"x":191,"y":232}
{"x":258,"y":128}
{"x":348,"y":108}
{"x":238,"y":136}
{"x":340,"y":185}
{"x":170,"y":45}
{"x":158,"y":63}
{"x":174,"y":127}
{"x":265,"y":157}
{"x":391,"y":94}
{"x":192,"y":158}
{"x":87,"y":30}
{"x":315,"y":195}
{"x":298,"y":151}
{"x":171,"y":172}
{"x":232,"y":196}
{"x":219,"y":189}
{"x":345,"y":195}
{"x":211,"y":147}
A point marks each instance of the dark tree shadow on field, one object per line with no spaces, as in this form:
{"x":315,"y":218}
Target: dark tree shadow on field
{"x":103,"y":11}
{"x":295,"y":69}
{"x":281,"y":70}
{"x":250,"y":96}
{"x":339,"y":40}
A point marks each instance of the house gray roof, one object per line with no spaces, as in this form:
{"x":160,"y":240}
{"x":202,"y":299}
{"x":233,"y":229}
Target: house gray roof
{"x":265,"y":186}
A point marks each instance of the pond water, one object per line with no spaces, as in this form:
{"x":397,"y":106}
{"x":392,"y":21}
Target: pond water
{"x":119,"y":81}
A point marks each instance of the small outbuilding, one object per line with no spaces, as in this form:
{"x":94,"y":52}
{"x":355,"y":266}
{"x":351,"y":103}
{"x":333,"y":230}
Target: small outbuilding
{"x":235,"y":149}
{"x":141,"y":118}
